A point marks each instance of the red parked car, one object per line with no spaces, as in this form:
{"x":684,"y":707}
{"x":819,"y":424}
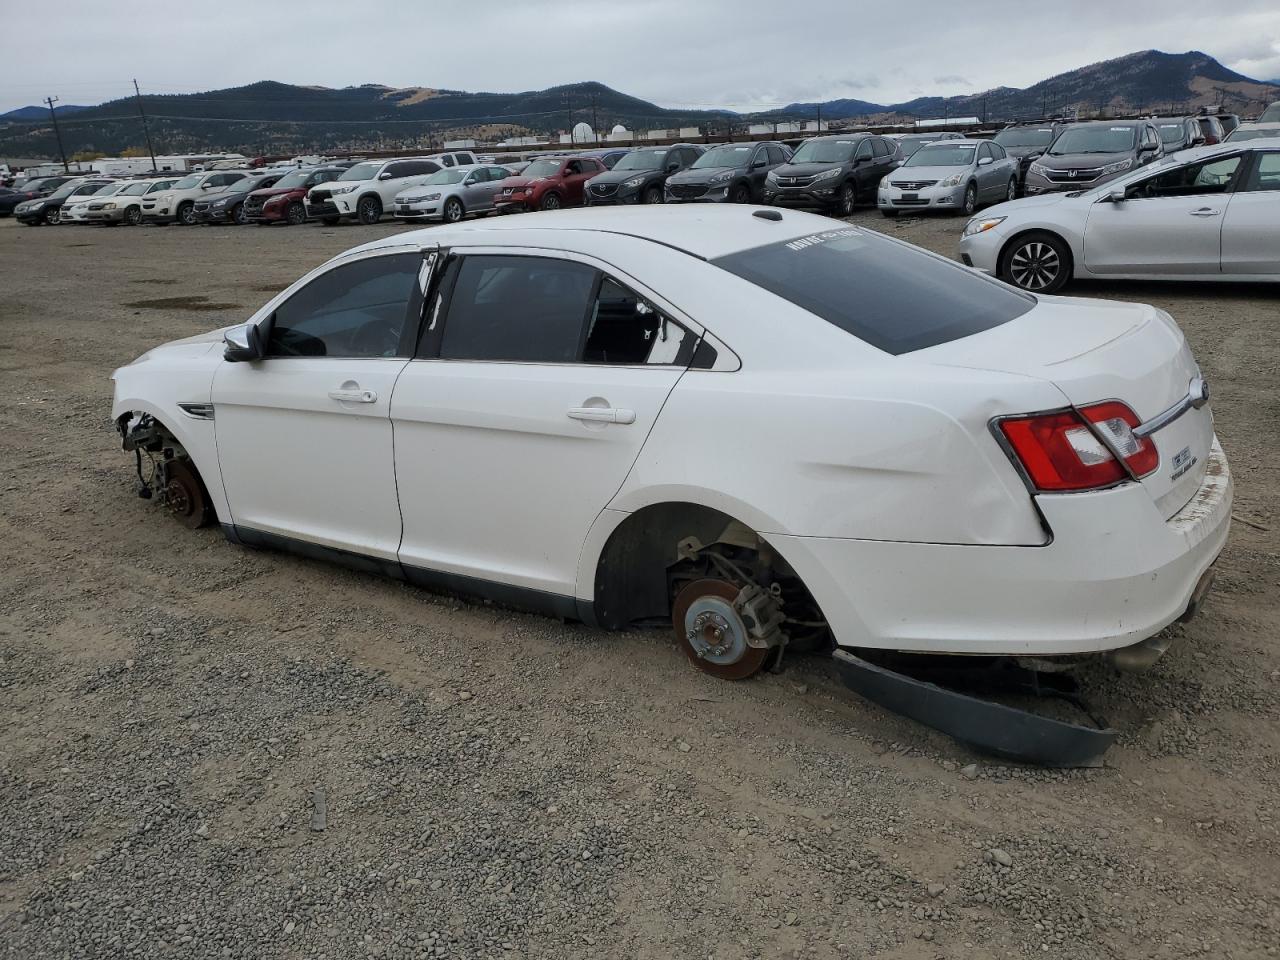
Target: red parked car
{"x":282,"y":202}
{"x":547,"y":184}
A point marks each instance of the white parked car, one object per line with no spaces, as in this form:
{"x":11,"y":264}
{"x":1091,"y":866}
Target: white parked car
{"x":367,"y":189}
{"x":77,"y":209}
{"x":451,"y":194}
{"x":177,"y":204}
{"x":762,"y":426}
{"x":122,"y":205}
{"x":1209,"y":213}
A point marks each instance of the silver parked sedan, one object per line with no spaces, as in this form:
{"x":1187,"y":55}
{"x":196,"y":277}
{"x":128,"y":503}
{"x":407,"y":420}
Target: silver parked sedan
{"x":1208,"y":213}
{"x":451,"y":194}
{"x":957,"y":176}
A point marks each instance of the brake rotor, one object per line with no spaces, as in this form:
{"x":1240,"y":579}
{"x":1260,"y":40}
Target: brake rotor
{"x":711,"y":632}
{"x":184,"y":496}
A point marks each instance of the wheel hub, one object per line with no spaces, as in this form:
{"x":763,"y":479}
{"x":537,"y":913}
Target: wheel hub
{"x":712,"y":632}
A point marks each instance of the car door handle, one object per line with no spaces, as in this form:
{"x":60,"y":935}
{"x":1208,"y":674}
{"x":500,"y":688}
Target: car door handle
{"x":354,"y":396}
{"x":602,"y":414}
{"x":1205,"y":212}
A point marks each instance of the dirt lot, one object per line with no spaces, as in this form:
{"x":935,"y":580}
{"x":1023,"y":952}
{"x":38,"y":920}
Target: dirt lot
{"x":501,"y":785}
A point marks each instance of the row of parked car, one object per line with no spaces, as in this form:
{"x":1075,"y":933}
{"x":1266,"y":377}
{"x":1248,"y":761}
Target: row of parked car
{"x":915,"y":173}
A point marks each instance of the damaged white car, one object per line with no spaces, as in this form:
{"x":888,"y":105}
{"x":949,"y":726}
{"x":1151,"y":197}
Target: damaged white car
{"x":769,"y":428}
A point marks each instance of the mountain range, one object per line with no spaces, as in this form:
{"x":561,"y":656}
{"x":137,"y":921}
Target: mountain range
{"x":277,"y":118}
{"x":1148,"y":80}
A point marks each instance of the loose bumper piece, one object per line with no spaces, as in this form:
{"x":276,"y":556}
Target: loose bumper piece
{"x":983,"y":724}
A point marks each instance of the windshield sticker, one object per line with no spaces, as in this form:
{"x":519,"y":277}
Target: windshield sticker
{"x":1119,"y":129}
{"x":815,"y":239}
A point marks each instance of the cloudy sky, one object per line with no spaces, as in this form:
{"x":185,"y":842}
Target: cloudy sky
{"x":740,"y":54}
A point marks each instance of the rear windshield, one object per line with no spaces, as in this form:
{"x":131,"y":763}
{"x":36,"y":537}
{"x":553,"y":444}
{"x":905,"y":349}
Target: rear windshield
{"x":1024,"y":137}
{"x":893,"y":296}
{"x":1172,"y":132}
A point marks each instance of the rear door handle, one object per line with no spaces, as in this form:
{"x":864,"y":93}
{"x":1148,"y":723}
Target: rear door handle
{"x":353,"y":396}
{"x":602,"y":414}
{"x":1205,"y":212}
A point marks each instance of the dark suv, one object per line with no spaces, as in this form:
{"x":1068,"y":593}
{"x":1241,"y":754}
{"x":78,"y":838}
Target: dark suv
{"x":641,"y":175}
{"x":834,"y":173}
{"x":1025,"y":142}
{"x":730,"y":173}
{"x":1086,"y":155}
{"x":1179,"y":133}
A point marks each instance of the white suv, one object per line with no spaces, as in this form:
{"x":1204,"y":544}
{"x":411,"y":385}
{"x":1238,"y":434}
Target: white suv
{"x":366,"y":189}
{"x":178,"y":202}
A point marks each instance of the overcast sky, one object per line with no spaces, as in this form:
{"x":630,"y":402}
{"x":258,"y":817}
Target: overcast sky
{"x":740,"y":54}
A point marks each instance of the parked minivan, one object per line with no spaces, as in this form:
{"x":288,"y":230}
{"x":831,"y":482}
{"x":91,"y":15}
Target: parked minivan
{"x":1085,"y":155}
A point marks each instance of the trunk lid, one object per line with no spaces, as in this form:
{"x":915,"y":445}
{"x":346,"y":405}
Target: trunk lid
{"x":1099,"y":350}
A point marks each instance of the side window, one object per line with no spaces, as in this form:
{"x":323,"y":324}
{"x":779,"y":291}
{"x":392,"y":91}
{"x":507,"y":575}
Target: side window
{"x":529,"y":309}
{"x":396,"y":170}
{"x":498,"y":173}
{"x":572,"y":167}
{"x":625,"y":329}
{"x":776,"y":155}
{"x":1266,"y":173}
{"x":997,"y":151}
{"x":447,"y":160}
{"x":878,"y":148}
{"x":479,"y":175}
{"x":355,"y":310}
{"x":1192,"y":180}
{"x":864,"y":151}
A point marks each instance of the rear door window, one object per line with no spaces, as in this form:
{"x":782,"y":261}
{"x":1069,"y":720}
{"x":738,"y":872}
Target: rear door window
{"x":892,"y":296}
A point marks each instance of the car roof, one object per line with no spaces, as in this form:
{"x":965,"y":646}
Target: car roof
{"x":702,"y":230}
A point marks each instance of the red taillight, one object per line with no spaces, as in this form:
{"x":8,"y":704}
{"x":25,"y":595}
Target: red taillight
{"x":1060,"y":451}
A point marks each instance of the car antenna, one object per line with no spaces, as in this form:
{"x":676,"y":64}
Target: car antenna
{"x":767,"y":214}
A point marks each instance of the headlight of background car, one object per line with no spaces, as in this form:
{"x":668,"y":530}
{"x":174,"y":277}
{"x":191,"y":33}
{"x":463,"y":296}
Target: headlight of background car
{"x":724,"y":177}
{"x":827,"y":174}
{"x":981,"y":225}
{"x":772,"y":176}
{"x":432,"y":196}
{"x":633,"y":182}
{"x":337,"y":190}
{"x":955,"y":179}
{"x":219,"y":204}
{"x":108,"y":206}
{"x":1039,"y":169}
{"x":1117,"y":167}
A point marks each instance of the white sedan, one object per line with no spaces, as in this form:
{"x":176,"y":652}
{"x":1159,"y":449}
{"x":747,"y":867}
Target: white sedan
{"x":1209,"y":213}
{"x":767,"y":427}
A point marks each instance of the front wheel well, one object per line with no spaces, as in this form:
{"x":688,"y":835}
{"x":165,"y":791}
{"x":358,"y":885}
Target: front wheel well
{"x":1069,"y":262}
{"x":151,"y":441}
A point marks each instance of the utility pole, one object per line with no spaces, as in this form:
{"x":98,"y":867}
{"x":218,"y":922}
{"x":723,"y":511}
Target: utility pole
{"x":57,"y":132}
{"x":145,"y":128}
{"x":595,"y":120}
{"x":568,"y":113}
{"x":819,"y":106}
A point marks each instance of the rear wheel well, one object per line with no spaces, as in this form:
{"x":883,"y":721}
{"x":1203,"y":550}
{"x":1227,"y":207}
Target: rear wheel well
{"x":655,"y":549}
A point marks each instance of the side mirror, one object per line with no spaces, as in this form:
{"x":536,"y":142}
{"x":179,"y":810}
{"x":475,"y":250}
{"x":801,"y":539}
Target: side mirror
{"x":985,"y":161}
{"x":759,"y":164}
{"x":243,"y":344}
{"x":205,"y":186}
{"x":1115,"y":196}
{"x":385,"y":175}
{"x":897,"y":163}
{"x":672,"y":167}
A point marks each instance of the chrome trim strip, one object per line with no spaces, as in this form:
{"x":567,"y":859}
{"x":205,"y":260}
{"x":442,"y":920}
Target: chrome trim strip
{"x":1197,"y":396}
{"x":200,"y":411}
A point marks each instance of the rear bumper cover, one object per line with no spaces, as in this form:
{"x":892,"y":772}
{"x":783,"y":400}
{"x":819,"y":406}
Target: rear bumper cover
{"x":1115,"y":574}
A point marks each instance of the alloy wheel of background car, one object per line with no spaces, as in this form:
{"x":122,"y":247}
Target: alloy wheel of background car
{"x":740,"y":194}
{"x":295,"y":213}
{"x":370,"y":210}
{"x":239,"y":215}
{"x":1037,"y":262}
{"x":187,"y":214}
{"x":652,"y":195}
{"x":711,"y":632}
{"x":847,"y":200}
{"x":133,"y":216}
{"x":970,"y":199}
{"x":550,"y":202}
{"x":51,"y":217}
{"x":1012,"y":192}
{"x":453,"y":211}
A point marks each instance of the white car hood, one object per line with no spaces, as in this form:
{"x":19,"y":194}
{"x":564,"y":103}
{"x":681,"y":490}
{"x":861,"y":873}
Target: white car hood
{"x":927,"y":173}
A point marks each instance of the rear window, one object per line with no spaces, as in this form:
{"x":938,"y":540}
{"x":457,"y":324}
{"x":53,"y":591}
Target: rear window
{"x":892,"y":296}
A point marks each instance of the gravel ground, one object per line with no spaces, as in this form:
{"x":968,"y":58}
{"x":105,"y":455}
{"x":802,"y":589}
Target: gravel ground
{"x":212,"y":752}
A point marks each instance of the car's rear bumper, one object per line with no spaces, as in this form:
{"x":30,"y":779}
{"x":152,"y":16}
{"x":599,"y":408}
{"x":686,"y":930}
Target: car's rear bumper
{"x":1114,"y":574}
